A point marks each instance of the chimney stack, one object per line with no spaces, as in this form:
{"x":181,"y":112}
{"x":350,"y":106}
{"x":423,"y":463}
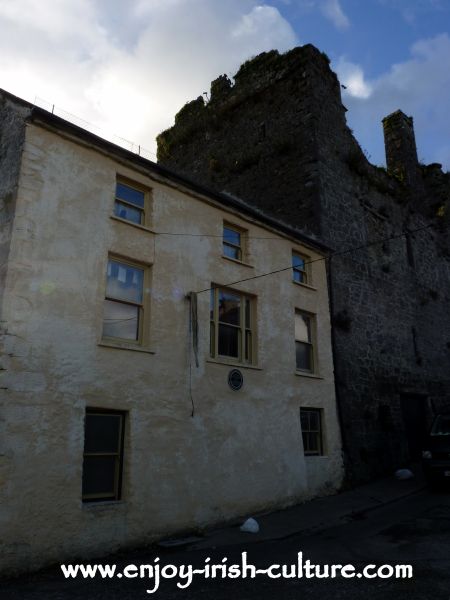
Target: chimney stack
{"x":400,"y":147}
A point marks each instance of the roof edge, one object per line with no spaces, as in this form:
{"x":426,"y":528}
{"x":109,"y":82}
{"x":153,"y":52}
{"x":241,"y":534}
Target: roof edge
{"x":39,"y":115}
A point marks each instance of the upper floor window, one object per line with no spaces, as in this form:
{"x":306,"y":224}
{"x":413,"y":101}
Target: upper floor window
{"x":304,"y":342}
{"x":103,"y":455}
{"x":233,"y":242}
{"x":232,"y":325}
{"x":131,"y":203}
{"x":300,"y":268}
{"x":123,"y":313}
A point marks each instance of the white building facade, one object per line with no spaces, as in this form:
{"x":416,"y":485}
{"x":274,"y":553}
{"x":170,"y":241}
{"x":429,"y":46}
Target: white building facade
{"x":154,"y":379}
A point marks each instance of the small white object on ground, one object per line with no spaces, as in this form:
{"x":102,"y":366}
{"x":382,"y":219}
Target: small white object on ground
{"x":403,"y":474}
{"x":250,"y":526}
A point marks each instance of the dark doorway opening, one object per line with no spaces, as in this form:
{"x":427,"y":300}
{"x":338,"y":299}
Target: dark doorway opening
{"x":414,"y":413}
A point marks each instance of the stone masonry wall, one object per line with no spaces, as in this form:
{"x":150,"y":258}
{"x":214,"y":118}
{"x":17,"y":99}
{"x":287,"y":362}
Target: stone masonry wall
{"x":280,"y":147}
{"x":278,"y":138}
{"x":12,"y":135}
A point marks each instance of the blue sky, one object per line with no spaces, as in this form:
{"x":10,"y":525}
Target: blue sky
{"x":395,"y":44}
{"x":127,"y":66}
{"x":376,"y":33}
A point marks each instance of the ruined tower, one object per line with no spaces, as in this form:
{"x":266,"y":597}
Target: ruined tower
{"x":400,"y":145}
{"x":260,"y":138}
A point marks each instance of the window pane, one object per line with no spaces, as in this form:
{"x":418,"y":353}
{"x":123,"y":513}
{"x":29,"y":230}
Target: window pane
{"x":231,"y":236}
{"x":129,"y":194}
{"x":124,"y":282}
{"x":314,"y":420}
{"x":229,"y":308}
{"x":303,"y":356}
{"x":232,"y":252}
{"x":310,"y":424}
{"x":304,"y":420}
{"x":299,"y":276}
{"x":302,"y":328}
{"x":312,"y":443}
{"x":128,"y":212}
{"x":120,"y":320}
{"x":99,"y":475}
{"x":299,"y":268}
{"x":102,"y":433}
{"x":228,"y":341}
{"x":305,"y":441}
{"x":298,"y":261}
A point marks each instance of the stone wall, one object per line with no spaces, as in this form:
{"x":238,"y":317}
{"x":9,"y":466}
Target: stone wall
{"x":279,"y":146}
{"x":12,"y":134}
{"x":278,"y":138}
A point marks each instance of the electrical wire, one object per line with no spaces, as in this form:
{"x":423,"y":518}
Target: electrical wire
{"x":321,"y":258}
{"x":251,"y":237}
{"x":331,"y":255}
{"x":217,"y":235}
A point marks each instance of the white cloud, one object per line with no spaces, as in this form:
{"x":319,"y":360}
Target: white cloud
{"x":419,"y":86}
{"x":333,"y":11}
{"x":129,"y":67}
{"x":265,"y":22}
{"x":352,"y":76}
{"x":330,"y":9}
{"x":58,"y":18}
{"x":147,"y":7}
{"x":129,"y":71}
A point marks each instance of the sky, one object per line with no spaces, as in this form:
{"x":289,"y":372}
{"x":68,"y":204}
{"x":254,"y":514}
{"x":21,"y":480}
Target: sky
{"x":126,"y":67}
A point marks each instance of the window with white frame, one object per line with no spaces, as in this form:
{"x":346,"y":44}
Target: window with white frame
{"x":232,"y":326}
{"x":304,"y":341}
{"x":312,"y":434}
{"x":103,"y":455}
{"x":301,"y":268}
{"x":132,"y":202}
{"x":124,"y":308}
{"x":234,"y":239}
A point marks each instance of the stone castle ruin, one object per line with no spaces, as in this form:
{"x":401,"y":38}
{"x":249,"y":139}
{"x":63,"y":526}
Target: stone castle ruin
{"x":277,"y":138}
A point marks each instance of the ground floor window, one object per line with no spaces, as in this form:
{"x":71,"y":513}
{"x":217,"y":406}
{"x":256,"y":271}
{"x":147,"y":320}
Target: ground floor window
{"x":311,"y":424}
{"x":103,"y":455}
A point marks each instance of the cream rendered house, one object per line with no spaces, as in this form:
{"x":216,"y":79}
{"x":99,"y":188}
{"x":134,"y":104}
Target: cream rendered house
{"x":154,"y":379}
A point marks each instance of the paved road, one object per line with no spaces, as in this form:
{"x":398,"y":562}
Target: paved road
{"x":414,"y":530}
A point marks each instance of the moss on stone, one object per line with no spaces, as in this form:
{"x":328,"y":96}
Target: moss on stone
{"x":191,"y":110}
{"x":257,"y":63}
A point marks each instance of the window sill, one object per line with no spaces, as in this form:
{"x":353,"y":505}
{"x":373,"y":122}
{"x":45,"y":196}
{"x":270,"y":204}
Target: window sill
{"x":306,"y":374}
{"x":233,"y":365}
{"x":305,"y":285}
{"x":119,"y":346}
{"x":102,"y":504}
{"x":137,"y":225}
{"x":237,"y":262}
{"x":316,"y":456}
